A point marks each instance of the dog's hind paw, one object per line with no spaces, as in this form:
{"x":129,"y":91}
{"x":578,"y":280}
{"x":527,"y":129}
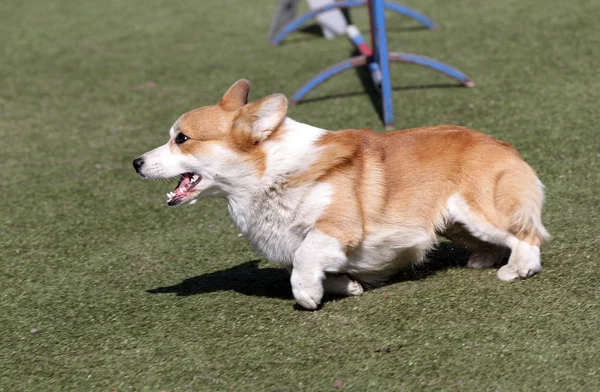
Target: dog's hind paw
{"x":507,"y":273}
{"x":355,"y":288}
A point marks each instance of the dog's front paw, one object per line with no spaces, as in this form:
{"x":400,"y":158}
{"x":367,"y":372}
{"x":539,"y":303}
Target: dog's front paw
{"x":308,"y":299}
{"x":308,"y":292}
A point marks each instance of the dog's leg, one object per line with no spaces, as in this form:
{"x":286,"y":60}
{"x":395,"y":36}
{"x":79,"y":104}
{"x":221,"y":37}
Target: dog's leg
{"x":483,"y":254}
{"x":317,"y":254}
{"x":486,"y":256}
{"x":523,"y":239}
{"x":524,"y":261}
{"x":341,"y":285}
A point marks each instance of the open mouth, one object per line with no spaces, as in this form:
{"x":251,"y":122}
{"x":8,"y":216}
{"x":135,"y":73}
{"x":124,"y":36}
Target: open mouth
{"x":185,"y":189}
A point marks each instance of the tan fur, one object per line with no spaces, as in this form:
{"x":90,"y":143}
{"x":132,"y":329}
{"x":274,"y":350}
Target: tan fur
{"x":334,"y":207}
{"x":407,"y":176}
{"x":380,"y":180}
{"x":228,"y":123}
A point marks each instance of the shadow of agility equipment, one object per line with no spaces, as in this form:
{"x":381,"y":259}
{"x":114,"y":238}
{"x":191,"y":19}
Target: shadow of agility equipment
{"x":245,"y":278}
{"x":248,"y":279}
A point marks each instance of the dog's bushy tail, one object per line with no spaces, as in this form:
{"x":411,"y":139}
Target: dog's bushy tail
{"x":526,"y":215}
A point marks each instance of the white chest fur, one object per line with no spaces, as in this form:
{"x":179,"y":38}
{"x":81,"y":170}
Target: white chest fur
{"x":276,"y":221}
{"x":272,"y":216}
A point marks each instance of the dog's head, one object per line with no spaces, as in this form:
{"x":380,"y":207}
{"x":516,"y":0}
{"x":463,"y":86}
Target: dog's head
{"x":216,"y":148}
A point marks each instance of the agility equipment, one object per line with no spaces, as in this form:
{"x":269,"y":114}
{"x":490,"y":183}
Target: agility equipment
{"x":376,"y":57}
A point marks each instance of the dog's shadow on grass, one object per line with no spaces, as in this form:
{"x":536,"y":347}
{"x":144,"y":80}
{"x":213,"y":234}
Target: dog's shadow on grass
{"x":247,"y":278}
{"x":445,"y":255}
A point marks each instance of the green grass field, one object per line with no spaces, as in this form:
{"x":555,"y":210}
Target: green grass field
{"x":104,"y":288}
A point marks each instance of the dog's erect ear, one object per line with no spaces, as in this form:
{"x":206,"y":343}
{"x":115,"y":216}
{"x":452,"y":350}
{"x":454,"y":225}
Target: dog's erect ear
{"x":258,"y":120}
{"x":264,"y":116}
{"x":236,"y":96}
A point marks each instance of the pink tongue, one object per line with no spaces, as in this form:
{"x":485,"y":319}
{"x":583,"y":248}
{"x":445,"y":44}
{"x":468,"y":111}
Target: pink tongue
{"x":185,"y":180}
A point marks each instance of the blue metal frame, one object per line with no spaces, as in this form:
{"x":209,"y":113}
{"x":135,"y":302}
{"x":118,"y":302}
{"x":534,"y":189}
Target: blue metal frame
{"x":380,"y":57}
{"x":392,"y":6}
{"x":359,"y":61}
{"x":411,"y":13}
{"x":364,"y":49}
{"x":378,"y":60}
{"x":322,"y":76}
{"x":432,"y":64}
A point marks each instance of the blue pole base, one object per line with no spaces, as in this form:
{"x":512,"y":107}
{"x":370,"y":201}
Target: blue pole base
{"x":336,"y":69}
{"x":432,"y":64}
{"x":360,"y":61}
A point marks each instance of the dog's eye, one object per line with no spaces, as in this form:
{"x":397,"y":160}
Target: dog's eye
{"x":180,"y":138}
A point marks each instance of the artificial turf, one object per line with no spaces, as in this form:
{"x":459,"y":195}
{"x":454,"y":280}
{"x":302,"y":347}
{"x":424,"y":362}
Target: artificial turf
{"x":105,"y":288}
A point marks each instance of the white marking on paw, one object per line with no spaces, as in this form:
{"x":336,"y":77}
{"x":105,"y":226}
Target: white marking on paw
{"x":507,"y":273}
{"x":355,"y":288}
{"x":524,"y":262}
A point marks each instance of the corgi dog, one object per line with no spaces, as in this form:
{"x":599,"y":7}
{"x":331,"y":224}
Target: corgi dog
{"x":347,"y":209}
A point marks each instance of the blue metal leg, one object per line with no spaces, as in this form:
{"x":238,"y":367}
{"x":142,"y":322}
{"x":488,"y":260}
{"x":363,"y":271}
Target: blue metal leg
{"x":395,"y":7}
{"x":338,"y":68}
{"x":359,"y":61}
{"x":411,"y":13}
{"x":380,"y":54}
{"x":359,"y":42}
{"x":433,"y":64}
{"x":377,"y":59}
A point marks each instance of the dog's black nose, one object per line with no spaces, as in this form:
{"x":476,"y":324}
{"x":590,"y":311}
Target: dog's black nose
{"x":137,"y":163}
